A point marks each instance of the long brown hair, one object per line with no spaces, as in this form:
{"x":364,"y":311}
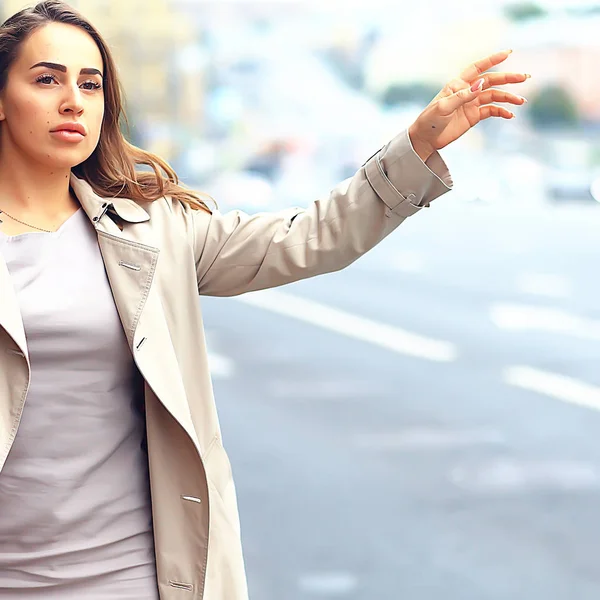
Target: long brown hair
{"x":111,"y":169}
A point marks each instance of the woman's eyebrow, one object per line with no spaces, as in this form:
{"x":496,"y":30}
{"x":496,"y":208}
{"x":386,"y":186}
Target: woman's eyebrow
{"x":63,"y":69}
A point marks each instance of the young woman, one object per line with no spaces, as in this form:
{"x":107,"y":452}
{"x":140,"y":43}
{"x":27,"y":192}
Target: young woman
{"x":113,"y":479}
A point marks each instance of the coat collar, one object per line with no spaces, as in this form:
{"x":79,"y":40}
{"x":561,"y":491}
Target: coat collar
{"x":95,"y":206}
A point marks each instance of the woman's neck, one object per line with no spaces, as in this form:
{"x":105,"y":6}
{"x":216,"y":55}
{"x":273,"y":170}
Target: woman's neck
{"x":40,"y":192}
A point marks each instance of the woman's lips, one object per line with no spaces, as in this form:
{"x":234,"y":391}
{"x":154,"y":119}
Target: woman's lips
{"x":67,"y":135}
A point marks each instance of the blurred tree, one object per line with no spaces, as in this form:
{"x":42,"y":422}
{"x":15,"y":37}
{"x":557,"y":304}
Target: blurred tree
{"x":553,"y":106}
{"x":409,"y":93}
{"x":524,"y":11}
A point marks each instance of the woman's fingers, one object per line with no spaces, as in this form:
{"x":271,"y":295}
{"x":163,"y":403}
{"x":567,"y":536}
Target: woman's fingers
{"x":492,"y":79}
{"x":491,"y":110}
{"x":474,"y":70}
{"x":447,"y":105}
{"x":493,"y":95}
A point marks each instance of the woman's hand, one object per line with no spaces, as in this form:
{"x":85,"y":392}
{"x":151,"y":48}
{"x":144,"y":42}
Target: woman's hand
{"x":464,"y":102}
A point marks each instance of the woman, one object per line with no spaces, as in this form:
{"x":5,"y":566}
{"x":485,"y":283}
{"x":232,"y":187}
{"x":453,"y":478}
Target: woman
{"x":114,"y":482}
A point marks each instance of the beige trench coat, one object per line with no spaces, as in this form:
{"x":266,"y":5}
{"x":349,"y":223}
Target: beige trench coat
{"x":164,"y":256}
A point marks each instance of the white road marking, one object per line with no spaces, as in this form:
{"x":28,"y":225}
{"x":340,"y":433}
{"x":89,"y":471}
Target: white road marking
{"x":328,"y":584}
{"x":220,"y":366}
{"x":554,"y":385}
{"x":380,"y":334}
{"x":427,"y":439}
{"x":516,"y":476}
{"x":544,"y":284}
{"x":541,"y":318}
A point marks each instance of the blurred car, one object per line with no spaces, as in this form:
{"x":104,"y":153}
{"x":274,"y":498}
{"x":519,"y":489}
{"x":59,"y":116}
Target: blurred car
{"x":572,"y":184}
{"x":570,"y":173}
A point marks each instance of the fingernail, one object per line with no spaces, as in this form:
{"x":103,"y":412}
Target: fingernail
{"x":528,"y":75}
{"x":524,"y":99}
{"x":476,"y":87}
{"x":509,"y":51}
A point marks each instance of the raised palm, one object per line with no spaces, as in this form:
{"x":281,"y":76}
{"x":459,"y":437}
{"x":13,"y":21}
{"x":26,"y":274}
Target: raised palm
{"x":457,"y":108}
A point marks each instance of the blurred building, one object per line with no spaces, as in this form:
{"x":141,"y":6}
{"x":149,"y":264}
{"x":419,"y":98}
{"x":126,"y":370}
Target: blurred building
{"x":159,"y":64}
{"x":432,"y":46}
{"x":562,"y":49}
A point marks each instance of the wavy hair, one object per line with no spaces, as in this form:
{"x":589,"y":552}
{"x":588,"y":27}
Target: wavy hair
{"x":111,"y":169}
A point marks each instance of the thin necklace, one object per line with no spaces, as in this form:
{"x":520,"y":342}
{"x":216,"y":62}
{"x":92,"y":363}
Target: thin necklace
{"x":23,"y":222}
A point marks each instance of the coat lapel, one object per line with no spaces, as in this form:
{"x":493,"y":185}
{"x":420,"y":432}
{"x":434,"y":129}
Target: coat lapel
{"x":130,"y":266}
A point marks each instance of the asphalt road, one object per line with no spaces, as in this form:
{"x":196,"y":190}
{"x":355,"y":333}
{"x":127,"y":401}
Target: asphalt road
{"x":423,"y":424}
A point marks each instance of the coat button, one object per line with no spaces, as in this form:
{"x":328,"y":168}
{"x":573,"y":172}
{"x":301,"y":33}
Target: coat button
{"x":192,"y":499}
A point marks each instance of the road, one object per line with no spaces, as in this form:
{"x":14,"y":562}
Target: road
{"x":423,"y":424}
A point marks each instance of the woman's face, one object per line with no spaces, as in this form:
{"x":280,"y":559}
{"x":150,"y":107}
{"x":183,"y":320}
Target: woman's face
{"x":56,"y":81}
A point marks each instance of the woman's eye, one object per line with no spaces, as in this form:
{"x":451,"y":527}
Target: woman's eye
{"x":46,"y":79}
{"x":92,"y":85}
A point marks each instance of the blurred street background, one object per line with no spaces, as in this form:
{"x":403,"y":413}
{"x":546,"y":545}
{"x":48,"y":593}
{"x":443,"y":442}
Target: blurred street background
{"x":424,"y":424}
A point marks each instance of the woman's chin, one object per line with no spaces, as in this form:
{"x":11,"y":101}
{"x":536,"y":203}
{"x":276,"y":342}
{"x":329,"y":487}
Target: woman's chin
{"x":64,"y":161}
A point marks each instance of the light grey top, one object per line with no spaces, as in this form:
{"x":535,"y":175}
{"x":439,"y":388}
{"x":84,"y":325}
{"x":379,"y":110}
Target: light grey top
{"x":75,"y":512}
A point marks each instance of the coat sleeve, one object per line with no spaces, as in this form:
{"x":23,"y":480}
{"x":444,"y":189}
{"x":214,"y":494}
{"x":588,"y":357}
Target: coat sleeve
{"x":237,"y":253}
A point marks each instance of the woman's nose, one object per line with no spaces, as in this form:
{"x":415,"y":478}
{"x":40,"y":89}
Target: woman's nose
{"x":73,"y":101}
